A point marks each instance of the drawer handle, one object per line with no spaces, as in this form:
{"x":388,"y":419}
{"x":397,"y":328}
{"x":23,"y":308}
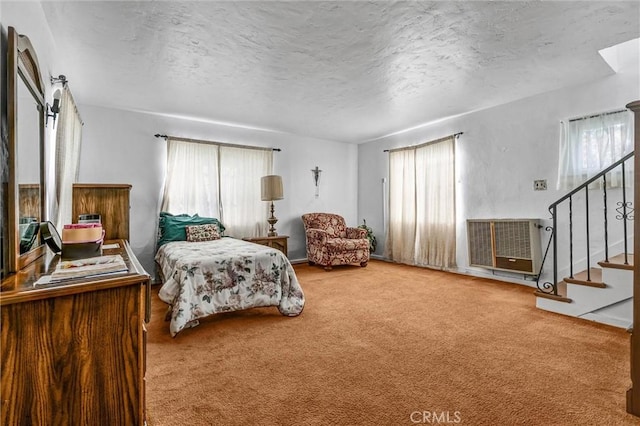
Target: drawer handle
{"x":512,"y":260}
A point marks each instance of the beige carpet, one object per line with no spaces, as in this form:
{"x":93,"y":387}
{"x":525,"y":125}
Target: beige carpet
{"x":390,"y":345}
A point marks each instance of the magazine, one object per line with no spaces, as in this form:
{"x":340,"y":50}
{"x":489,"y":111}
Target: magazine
{"x":82,"y":268}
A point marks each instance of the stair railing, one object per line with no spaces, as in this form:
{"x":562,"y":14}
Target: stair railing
{"x":624,"y":210}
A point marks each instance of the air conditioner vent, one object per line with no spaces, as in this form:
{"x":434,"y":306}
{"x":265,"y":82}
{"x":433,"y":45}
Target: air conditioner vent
{"x":480,"y":251}
{"x":513,"y":239}
{"x":505,"y":244}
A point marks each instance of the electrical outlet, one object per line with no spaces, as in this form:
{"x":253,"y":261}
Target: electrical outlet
{"x":540,"y":185}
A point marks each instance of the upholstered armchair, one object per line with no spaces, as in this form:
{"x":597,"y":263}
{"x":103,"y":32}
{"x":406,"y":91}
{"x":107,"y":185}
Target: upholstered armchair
{"x":330,"y":242}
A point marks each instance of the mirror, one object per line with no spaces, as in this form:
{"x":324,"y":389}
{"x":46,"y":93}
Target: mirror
{"x":28,"y":168}
{"x":26,"y":184}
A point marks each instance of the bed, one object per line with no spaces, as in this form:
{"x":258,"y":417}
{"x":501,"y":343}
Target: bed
{"x":224,"y":275}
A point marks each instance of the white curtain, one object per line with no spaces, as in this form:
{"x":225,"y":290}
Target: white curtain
{"x":244,"y":213}
{"x":191,"y":185}
{"x":67,"y":157}
{"x":218,"y":181}
{"x":422,"y":217}
{"x":588,"y":145}
{"x":401,"y":238}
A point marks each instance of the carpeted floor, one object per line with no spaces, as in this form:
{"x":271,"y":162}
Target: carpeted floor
{"x":390,"y":345}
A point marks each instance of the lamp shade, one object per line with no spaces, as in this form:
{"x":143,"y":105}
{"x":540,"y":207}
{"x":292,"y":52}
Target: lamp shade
{"x":271,"y":188}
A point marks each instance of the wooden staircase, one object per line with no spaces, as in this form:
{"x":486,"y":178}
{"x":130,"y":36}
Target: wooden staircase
{"x":594,"y":215}
{"x":604,"y":294}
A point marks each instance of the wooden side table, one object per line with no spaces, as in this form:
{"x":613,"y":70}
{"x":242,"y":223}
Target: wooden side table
{"x":278,"y":242}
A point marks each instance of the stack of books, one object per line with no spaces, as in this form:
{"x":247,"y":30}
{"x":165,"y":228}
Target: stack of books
{"x":82,"y":268}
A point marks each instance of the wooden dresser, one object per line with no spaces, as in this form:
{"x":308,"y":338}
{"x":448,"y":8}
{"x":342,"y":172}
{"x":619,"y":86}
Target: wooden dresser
{"x":278,"y":242}
{"x":110,"y":201}
{"x":74,"y":352}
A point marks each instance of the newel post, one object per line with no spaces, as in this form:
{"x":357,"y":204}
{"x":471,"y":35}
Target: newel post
{"x":633,"y":394}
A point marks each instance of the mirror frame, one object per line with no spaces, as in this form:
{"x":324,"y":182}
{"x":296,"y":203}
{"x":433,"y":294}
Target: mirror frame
{"x":22,"y":62}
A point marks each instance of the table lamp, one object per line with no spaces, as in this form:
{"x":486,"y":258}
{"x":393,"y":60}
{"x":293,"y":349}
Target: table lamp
{"x":271,"y":189}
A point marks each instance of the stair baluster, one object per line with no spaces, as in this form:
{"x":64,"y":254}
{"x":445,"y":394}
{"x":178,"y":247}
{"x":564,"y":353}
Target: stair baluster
{"x":586,"y":203}
{"x":624,"y":215}
{"x":606,"y":221}
{"x":570,"y":237}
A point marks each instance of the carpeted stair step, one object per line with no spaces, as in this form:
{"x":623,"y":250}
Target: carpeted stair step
{"x":618,"y":262}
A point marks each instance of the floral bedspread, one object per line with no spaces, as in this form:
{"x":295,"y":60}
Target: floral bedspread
{"x":204,"y":278}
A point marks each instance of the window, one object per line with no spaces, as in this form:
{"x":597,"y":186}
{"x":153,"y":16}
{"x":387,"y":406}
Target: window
{"x":422,"y":217}
{"x":220,"y":181}
{"x":590,"y":144}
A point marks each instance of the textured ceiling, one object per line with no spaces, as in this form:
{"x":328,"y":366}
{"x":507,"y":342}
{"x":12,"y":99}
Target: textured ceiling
{"x":345,"y":71}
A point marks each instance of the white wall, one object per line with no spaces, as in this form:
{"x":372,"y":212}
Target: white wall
{"x":502,"y":151}
{"x":120,"y":147}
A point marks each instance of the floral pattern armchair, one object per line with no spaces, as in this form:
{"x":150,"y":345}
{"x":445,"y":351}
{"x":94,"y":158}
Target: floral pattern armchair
{"x":330,"y":242}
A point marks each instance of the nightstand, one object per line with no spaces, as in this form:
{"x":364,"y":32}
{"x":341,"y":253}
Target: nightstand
{"x":278,"y":242}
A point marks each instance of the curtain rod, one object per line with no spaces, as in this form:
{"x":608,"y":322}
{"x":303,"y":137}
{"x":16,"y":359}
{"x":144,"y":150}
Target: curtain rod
{"x":62,"y":79}
{"x":596,"y":115}
{"x":455,"y":135}
{"x":158,"y":135}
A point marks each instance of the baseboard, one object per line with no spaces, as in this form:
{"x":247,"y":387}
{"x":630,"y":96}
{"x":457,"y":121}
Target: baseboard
{"x":480,"y":273}
{"x":616,"y":322}
{"x":496,"y":275}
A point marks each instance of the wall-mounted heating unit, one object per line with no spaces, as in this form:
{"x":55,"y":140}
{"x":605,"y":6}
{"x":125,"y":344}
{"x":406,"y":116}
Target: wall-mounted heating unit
{"x":505,"y":244}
